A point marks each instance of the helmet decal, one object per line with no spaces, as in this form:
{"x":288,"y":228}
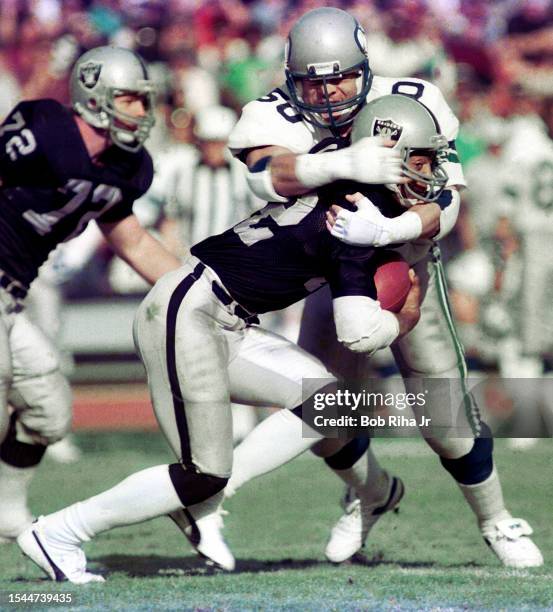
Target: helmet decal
{"x":414,"y":131}
{"x":360,"y":38}
{"x":89,"y":74}
{"x":387,"y":128}
{"x":98,"y":77}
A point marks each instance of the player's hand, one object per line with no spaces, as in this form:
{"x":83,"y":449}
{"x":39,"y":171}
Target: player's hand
{"x":364,"y":227}
{"x":372,"y":160}
{"x":333,"y":212}
{"x":410,"y":314}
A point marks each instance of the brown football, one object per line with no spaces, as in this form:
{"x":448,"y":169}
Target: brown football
{"x":392,"y":281}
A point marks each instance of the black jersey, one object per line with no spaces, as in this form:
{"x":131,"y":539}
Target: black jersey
{"x":50,"y":188}
{"x":283,"y":252}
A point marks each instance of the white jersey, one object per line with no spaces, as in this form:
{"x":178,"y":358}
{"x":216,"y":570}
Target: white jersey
{"x":527,"y":177}
{"x":272,"y":120}
{"x":527,"y":185}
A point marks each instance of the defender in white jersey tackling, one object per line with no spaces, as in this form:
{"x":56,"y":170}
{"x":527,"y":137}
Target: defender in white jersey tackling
{"x":292,"y":143}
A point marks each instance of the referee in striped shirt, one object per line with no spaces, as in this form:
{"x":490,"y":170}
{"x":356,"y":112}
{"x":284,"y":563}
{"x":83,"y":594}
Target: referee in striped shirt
{"x":206,"y":192}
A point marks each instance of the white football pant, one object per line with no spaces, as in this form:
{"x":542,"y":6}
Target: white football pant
{"x":199,"y":355}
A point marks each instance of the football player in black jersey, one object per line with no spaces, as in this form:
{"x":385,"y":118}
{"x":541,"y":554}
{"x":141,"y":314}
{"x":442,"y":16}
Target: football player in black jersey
{"x":60,"y":168}
{"x":195,"y":337}
{"x":196,"y":334}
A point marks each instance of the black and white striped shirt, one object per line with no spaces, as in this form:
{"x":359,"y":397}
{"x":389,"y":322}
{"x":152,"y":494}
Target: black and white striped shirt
{"x":204,"y":200}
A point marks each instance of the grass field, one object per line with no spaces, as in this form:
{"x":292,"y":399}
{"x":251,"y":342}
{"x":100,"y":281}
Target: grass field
{"x":427,"y":557}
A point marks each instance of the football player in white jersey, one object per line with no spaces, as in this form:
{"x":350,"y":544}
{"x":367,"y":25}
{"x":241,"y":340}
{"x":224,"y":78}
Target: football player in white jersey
{"x":291,"y":142}
{"x":527,"y":188}
{"x":528,"y":196}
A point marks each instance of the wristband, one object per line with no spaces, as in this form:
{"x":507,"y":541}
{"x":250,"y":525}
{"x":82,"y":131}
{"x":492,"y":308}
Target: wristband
{"x":404,"y":228}
{"x":314,"y":170}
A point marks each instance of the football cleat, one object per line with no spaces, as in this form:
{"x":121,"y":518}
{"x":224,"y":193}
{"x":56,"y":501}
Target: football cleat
{"x":349,"y":534}
{"x":508,"y":538}
{"x":60,"y":563}
{"x":205,"y":536}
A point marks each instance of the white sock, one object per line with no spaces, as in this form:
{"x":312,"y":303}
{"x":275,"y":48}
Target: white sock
{"x":367,"y":478}
{"x":140,"y":497}
{"x":14,"y":485}
{"x":274,"y":442}
{"x":486,"y":500}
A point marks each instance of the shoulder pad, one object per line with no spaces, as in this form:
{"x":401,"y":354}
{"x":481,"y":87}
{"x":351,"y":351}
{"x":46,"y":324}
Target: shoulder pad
{"x":425,"y":92}
{"x":271,"y":120}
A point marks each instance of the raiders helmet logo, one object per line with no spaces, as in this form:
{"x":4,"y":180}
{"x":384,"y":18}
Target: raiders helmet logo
{"x":89,"y":74}
{"x":387,"y":128}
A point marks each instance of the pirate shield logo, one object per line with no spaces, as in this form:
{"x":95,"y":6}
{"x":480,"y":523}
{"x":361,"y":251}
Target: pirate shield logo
{"x":89,"y":74}
{"x":387,"y":128}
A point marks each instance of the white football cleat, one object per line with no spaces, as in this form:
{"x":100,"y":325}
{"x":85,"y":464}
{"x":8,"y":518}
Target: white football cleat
{"x":60,"y":563}
{"x":349,"y":534}
{"x":205,"y":536}
{"x":508,"y":538}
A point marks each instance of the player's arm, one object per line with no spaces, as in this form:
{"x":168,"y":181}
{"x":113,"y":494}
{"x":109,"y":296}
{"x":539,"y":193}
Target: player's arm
{"x":438,"y":218}
{"x":367,"y":226}
{"x":139,"y":249}
{"x":276,"y":174}
{"x":273,"y":145}
{"x":363,"y":326}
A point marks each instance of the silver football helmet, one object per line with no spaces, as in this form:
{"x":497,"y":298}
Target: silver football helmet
{"x":414,"y":130}
{"x":97,"y":78}
{"x":325,"y":44}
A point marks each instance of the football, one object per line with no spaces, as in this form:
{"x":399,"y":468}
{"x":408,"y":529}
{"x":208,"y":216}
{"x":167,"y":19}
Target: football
{"x":392,"y":281}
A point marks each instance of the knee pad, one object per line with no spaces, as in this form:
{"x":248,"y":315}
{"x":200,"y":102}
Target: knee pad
{"x":349,"y":454}
{"x":19,"y":454}
{"x":475,"y":466}
{"x":44,"y":406}
{"x":193,"y":487}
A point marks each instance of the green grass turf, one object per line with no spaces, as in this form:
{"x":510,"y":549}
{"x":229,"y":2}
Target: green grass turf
{"x":429,"y":556}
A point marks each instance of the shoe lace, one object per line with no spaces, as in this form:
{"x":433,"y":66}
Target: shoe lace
{"x":512,"y":529}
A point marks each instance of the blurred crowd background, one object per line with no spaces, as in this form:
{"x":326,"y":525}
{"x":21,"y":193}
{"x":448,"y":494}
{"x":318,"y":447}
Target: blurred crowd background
{"x":493,"y":60}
